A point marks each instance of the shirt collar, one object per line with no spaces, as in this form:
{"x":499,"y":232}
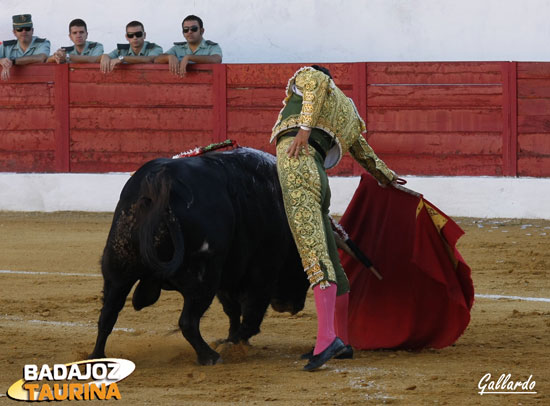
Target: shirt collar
{"x":141,"y":52}
{"x":30,"y":45}
{"x":201,"y":45}
{"x":83,"y":50}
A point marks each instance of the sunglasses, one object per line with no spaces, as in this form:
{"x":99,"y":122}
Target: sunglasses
{"x":194,"y":28}
{"x":23,"y":29}
{"x":138,"y":34}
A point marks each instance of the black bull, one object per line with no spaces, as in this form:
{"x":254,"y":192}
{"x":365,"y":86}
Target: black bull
{"x":204,"y":226}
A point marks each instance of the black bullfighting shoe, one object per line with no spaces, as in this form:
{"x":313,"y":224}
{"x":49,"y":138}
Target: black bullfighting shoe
{"x":334,"y":349}
{"x":346,"y":354}
{"x":307,"y":355}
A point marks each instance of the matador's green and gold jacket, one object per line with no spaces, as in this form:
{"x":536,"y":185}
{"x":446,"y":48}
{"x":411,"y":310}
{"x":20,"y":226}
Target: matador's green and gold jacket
{"x":327,"y":108}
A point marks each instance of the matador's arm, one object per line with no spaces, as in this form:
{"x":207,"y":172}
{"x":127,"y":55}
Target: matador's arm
{"x":367,"y":158}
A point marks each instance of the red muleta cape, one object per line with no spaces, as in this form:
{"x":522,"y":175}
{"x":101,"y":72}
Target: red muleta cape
{"x":426,"y":294}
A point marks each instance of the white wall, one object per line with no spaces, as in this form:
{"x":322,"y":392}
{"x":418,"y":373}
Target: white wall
{"x":265,"y":31}
{"x":456,"y":196}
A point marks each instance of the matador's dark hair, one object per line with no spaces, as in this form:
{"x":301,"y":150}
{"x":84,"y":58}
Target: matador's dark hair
{"x":322,"y":69}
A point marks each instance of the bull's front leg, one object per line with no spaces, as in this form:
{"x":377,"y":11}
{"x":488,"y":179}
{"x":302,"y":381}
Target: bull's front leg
{"x":114,"y":297}
{"x":232,"y":308}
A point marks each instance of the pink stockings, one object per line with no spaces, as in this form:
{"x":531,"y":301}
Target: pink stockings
{"x":341,"y":317}
{"x":327,"y":304}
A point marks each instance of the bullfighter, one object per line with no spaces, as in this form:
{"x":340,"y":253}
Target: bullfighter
{"x":316,"y":126}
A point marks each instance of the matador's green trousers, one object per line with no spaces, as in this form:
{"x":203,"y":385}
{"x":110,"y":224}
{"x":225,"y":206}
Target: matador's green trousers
{"x":306,"y":196}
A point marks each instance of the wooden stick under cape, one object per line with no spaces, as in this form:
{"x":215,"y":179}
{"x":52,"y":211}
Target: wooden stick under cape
{"x":349,"y":247}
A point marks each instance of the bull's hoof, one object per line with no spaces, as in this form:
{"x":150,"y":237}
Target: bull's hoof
{"x":210,"y":360}
{"x":96,"y":355}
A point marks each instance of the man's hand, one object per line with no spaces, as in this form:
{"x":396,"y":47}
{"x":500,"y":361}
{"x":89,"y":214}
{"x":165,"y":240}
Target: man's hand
{"x":60,"y":56}
{"x":182,"y":68}
{"x":299,"y":143}
{"x":106,"y":64}
{"x":173,"y":64}
{"x":396,"y":180}
{"x":178,"y":67}
{"x":5,"y":75}
{"x":6,"y":65}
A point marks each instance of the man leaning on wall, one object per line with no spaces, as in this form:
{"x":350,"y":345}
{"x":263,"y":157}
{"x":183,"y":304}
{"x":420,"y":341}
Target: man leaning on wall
{"x":195,"y":50}
{"x":136,"y":51}
{"x":24,"y":50}
{"x":82,"y":50}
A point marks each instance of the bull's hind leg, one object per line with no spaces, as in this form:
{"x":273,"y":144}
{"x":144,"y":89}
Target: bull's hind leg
{"x":189,"y":322}
{"x":114,"y":297}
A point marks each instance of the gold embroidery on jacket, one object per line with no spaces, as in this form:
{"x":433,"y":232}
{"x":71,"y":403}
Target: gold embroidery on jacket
{"x":327,"y":108}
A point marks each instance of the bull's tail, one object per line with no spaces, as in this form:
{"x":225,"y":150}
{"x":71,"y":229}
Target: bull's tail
{"x":158,"y":227}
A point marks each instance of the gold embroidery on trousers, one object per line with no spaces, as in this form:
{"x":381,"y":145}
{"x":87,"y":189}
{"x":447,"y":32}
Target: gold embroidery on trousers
{"x":301,"y":187}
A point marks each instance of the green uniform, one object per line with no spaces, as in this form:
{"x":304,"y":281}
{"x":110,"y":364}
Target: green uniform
{"x":90,"y":49}
{"x":148,"y":49}
{"x":11,"y":49}
{"x":206,"y":48}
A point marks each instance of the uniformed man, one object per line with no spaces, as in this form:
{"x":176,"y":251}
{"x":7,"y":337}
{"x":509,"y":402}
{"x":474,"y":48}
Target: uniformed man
{"x":25,"y":49}
{"x":195,"y":50}
{"x":83,"y":51}
{"x":136,"y":51}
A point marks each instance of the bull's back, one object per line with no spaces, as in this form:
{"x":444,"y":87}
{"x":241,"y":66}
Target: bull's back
{"x":241,"y":179}
{"x":231,"y":200}
{"x":246,"y":209}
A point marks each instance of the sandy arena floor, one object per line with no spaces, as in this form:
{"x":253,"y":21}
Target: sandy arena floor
{"x":48,"y":317}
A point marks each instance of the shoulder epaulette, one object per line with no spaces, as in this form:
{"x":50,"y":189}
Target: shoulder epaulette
{"x":40,"y":39}
{"x":92,"y":45}
{"x":123,"y":46}
{"x":10,"y":42}
{"x":69,"y":49}
{"x":180,"y":43}
{"x":211,"y":42}
{"x":151,"y":45}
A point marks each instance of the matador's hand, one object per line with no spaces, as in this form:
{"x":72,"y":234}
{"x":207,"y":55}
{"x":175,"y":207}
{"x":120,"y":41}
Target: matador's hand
{"x":299,"y":143}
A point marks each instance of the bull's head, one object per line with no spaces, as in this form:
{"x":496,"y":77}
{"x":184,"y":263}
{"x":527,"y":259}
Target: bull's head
{"x":291,"y":289}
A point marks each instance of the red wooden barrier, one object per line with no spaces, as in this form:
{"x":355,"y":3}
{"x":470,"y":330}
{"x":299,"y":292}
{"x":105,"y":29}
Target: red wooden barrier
{"x":533,"y":119}
{"x":28,"y":123}
{"x":451,"y":118}
{"x":437,"y":118}
{"x":119,"y":121}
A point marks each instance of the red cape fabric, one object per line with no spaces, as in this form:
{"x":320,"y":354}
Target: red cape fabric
{"x":426,"y":293}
